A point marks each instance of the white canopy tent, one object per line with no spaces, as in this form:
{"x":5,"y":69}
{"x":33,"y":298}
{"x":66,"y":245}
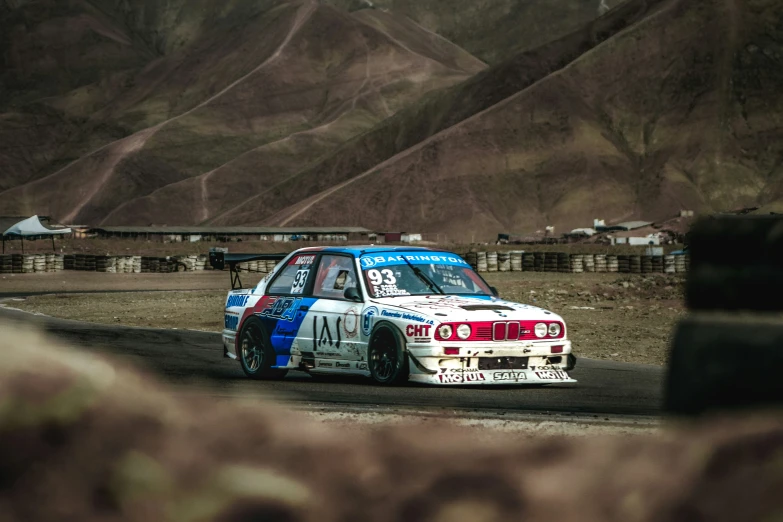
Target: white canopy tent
{"x":32,"y":227}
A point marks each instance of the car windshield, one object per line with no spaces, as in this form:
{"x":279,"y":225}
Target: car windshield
{"x":401,"y":273}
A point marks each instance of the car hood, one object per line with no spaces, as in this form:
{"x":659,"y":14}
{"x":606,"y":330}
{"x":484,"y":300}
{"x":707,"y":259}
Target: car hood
{"x":444,"y":308}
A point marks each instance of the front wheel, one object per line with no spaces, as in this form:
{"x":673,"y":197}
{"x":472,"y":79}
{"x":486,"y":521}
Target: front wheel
{"x":256,"y":355}
{"x":387,"y":358}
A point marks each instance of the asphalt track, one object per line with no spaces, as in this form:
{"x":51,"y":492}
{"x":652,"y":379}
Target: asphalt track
{"x":194,"y":360}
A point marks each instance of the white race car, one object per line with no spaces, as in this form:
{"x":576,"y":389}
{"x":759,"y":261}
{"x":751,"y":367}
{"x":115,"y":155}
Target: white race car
{"x":394,"y":314}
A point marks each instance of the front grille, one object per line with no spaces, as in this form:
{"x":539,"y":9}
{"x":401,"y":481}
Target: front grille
{"x":503,"y":363}
{"x":484,"y":333}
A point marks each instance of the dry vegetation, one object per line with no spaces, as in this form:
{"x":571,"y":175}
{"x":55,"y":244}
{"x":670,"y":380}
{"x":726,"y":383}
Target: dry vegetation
{"x":621,"y":318}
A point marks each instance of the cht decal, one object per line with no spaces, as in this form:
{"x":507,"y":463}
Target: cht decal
{"x":417,"y":330}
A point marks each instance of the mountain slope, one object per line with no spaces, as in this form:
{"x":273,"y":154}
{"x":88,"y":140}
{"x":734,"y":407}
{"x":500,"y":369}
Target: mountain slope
{"x":441,"y":110}
{"x":668,"y":114}
{"x":493,"y":30}
{"x":325,"y":77}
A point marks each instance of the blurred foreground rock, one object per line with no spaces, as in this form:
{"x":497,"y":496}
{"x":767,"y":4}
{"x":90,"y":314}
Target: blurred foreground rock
{"x":84,"y":439}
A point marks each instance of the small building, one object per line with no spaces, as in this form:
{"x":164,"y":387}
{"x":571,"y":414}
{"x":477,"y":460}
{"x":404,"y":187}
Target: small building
{"x":177,"y":234}
{"x":635,"y":240}
{"x":622,"y":227}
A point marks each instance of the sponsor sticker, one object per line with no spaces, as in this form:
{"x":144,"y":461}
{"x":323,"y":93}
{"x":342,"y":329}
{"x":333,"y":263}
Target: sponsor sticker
{"x":509,"y":376}
{"x":281,"y":308}
{"x":459,"y":370}
{"x":350,"y":322}
{"x":452,"y":378}
{"x":380,"y":260}
{"x":552,"y":375}
{"x":367,"y":320}
{"x":420,"y":333}
{"x":340,"y":364}
{"x":406,"y":316}
{"x":231,"y":322}
{"x":304,"y":260}
{"x":236,"y":301}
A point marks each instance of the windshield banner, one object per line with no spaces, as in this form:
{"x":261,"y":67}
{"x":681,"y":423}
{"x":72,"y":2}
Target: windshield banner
{"x":376,"y":260}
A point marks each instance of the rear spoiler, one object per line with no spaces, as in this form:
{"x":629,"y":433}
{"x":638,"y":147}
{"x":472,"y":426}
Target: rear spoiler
{"x":218,"y":261}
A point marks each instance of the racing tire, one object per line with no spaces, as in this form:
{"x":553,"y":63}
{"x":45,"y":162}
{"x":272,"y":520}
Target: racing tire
{"x":255,"y":352}
{"x":387,"y":359}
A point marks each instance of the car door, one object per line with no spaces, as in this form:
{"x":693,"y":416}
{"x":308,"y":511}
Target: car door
{"x":286,"y":303}
{"x":332,"y":326}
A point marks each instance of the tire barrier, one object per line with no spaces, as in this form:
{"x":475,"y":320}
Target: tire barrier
{"x":704,"y":373}
{"x":563,"y":263}
{"x":510,"y":261}
{"x":263,"y":266}
{"x":6,"y":264}
{"x":668,"y":264}
{"x":504,"y":262}
{"x":31,"y":263}
{"x":737,"y":266}
{"x":600,"y":263}
{"x":550,"y":262}
{"x":481,"y":263}
{"x":589,"y":262}
{"x":106,"y":264}
{"x":528,"y":262}
{"x":492,"y":261}
{"x":577,"y":265}
{"x":518,"y":261}
{"x":539,"y":261}
{"x":635,"y":264}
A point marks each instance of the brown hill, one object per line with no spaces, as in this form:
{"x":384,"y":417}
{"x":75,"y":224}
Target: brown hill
{"x":325,"y":76}
{"x":493,"y":30}
{"x":301,"y":113}
{"x":679,"y":110}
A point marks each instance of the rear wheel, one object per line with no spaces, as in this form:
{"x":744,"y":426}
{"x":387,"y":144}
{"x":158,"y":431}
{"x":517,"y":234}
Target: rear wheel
{"x":256,"y":355}
{"x":387,"y":357}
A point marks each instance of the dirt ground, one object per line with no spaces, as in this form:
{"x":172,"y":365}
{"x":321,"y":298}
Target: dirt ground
{"x":609,"y":316}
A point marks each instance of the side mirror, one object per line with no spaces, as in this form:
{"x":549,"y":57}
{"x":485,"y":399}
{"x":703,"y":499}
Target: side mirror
{"x":494,"y":291}
{"x":352,"y":294}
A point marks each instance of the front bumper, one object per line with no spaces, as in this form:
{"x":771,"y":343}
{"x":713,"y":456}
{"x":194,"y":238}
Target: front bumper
{"x":493,"y":364}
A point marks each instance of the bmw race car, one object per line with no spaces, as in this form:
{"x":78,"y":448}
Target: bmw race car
{"x":394,"y":314}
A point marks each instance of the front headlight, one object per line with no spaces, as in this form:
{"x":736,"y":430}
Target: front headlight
{"x":463,"y":331}
{"x":540,"y":329}
{"x":554,"y":329}
{"x":444,"y":331}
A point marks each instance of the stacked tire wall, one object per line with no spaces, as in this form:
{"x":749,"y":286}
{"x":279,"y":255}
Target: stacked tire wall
{"x":518,"y":261}
{"x":31,"y":263}
{"x":34,"y":263}
{"x":726,"y":355}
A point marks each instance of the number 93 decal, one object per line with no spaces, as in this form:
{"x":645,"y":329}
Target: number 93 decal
{"x":377,"y":277}
{"x":299,"y":280}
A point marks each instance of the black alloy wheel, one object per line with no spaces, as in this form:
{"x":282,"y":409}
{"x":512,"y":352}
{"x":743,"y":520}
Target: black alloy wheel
{"x":256,"y":355}
{"x":388,"y":361}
